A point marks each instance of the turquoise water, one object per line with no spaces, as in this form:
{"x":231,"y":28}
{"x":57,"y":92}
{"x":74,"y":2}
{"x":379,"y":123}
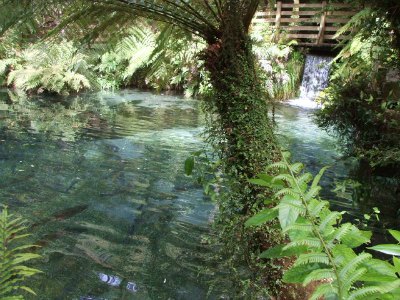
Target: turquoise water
{"x":100,"y":180}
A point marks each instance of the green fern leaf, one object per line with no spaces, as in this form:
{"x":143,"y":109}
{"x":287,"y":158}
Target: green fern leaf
{"x":280,"y":251}
{"x":318,"y":177}
{"x":329,"y":220}
{"x":355,"y":276}
{"x":352,"y":266}
{"x":324,"y":291}
{"x":262,"y":217}
{"x":304,"y":179}
{"x":315,"y":207}
{"x":312,"y":193}
{"x":296,"y":168}
{"x":310,"y":258}
{"x":298,"y":274}
{"x":308,"y":228}
{"x":311,"y":242}
{"x":321,"y":274}
{"x":364,"y":292}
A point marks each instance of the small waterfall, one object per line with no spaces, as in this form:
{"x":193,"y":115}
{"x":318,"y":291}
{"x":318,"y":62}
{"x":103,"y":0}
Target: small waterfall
{"x":315,"y":79}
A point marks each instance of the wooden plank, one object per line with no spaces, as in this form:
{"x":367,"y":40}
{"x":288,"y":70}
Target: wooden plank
{"x":295,"y":20}
{"x":301,"y":36}
{"x":316,"y":5}
{"x":262,"y":21}
{"x":336,"y":20}
{"x":264,"y":14}
{"x":278,"y":14}
{"x":300,"y":13}
{"x":332,"y":28}
{"x":341,"y":13}
{"x":278,"y":19}
{"x":301,"y":28}
{"x":291,"y":5}
{"x":332,"y":37}
{"x":322,"y":24}
{"x":313,"y":45}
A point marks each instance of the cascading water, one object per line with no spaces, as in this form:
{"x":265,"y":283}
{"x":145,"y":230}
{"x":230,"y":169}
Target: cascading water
{"x":315,"y":79}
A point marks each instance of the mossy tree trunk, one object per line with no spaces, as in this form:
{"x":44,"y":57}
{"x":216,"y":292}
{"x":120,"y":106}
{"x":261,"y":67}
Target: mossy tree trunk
{"x":240,"y":101}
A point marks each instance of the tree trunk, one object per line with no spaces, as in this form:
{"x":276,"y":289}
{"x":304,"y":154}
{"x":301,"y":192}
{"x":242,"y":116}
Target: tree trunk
{"x":240,"y":102}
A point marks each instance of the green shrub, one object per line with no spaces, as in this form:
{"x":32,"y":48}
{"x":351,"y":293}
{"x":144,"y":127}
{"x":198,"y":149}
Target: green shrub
{"x":281,"y":63}
{"x":58,"y":68}
{"x":362,"y":102}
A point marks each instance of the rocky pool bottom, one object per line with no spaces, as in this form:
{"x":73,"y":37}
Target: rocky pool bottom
{"x":100,"y":179}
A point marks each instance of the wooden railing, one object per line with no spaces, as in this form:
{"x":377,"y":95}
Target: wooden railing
{"x":311,"y":24}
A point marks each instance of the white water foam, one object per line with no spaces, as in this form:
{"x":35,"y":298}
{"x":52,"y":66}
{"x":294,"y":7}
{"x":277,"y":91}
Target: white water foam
{"x":315,"y":79}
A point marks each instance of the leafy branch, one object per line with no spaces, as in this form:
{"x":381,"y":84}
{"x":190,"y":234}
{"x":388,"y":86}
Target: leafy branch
{"x":321,"y":243}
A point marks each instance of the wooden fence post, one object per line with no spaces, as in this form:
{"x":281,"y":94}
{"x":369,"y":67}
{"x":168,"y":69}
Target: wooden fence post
{"x":278,"y":19}
{"x":321,"y":33}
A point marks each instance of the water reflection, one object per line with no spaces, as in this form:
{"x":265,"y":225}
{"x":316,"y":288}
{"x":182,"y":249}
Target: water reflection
{"x":100,"y":179}
{"x":315,"y":148}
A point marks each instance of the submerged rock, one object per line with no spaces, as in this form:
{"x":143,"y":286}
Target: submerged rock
{"x":114,"y":281}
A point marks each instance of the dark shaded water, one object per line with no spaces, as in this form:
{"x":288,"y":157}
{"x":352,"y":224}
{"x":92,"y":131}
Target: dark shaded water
{"x":100,"y":178}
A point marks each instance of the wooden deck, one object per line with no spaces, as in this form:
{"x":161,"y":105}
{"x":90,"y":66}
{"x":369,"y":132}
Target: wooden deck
{"x":310,"y":24}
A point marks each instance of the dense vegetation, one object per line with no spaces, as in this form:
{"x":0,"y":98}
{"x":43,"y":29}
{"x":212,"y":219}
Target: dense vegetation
{"x":362,"y":102}
{"x":205,"y":49}
{"x":322,"y":244}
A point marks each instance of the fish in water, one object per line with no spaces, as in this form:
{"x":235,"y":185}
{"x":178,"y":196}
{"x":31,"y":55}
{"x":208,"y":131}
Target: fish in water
{"x":63,"y":214}
{"x":70,"y":212}
{"x":110,"y":279}
{"x":90,"y":298}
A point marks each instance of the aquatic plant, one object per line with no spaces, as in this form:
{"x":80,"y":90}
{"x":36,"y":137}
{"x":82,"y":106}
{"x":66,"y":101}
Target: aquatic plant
{"x":13,"y":255}
{"x":323,"y":246}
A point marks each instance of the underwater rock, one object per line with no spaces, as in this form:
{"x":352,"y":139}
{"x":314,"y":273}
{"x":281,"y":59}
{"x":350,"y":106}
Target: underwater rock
{"x":164,"y":186}
{"x":97,"y":249}
{"x":132,"y":287}
{"x":114,"y":281}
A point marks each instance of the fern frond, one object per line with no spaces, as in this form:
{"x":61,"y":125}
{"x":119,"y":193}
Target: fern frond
{"x":304,"y":178}
{"x":313,"y":243}
{"x":278,"y":166}
{"x":323,"y":291}
{"x":310,"y":258}
{"x":299,"y":227}
{"x":337,"y":235}
{"x":12,"y":273}
{"x":355,"y":276}
{"x":296,"y":168}
{"x":321,"y":274}
{"x":316,"y":207}
{"x":287,"y":191}
{"x":284,"y":177}
{"x":364,"y":292}
{"x":352,"y":266}
{"x":312,"y":193}
{"x":329,"y":220}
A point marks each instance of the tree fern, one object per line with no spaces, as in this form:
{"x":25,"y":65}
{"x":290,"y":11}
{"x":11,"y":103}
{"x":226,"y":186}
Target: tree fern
{"x":322,"y":243}
{"x":59,"y":68}
{"x":13,"y":273}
